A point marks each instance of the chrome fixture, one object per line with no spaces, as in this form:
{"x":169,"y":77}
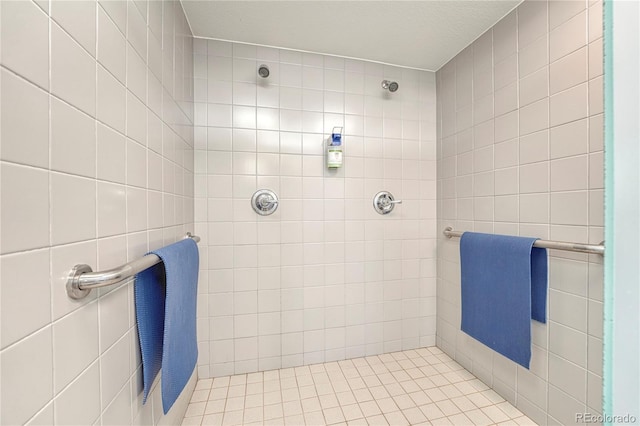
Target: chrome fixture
{"x":82,"y":279}
{"x":384,"y":203}
{"x":264,"y":202}
{"x":389,"y":85}
{"x":555,"y":245}
{"x":263,"y":71}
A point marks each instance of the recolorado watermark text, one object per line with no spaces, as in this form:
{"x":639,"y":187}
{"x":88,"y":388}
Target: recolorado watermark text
{"x":599,"y":418}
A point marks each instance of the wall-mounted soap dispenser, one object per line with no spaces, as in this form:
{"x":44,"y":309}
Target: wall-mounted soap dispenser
{"x":334,"y":149}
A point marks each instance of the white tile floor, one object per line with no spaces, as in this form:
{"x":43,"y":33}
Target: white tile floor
{"x":417,"y":387}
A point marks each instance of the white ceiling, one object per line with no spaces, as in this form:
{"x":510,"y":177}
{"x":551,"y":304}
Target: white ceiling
{"x":420,"y":34}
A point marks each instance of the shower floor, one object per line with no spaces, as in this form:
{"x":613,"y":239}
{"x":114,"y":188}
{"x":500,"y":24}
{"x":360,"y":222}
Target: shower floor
{"x":417,"y":387}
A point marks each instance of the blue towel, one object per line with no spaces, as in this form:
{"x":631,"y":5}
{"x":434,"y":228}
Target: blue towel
{"x":504,"y":285}
{"x":165,"y":297}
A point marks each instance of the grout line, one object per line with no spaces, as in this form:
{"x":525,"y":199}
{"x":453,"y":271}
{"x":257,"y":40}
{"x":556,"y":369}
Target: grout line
{"x":50,"y":210}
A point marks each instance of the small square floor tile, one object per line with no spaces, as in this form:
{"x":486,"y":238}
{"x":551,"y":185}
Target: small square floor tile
{"x":417,"y":387}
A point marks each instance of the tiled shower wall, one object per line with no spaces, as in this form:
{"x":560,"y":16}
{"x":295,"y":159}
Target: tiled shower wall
{"x":97,"y":168}
{"x":520,"y":152}
{"x":324,"y":278}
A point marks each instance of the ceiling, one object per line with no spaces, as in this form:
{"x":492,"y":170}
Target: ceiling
{"x":418,"y":34}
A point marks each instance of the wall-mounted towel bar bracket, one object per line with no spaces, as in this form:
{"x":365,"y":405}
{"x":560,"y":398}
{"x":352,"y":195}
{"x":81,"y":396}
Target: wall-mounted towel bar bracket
{"x":556,"y":245}
{"x":82,"y":279}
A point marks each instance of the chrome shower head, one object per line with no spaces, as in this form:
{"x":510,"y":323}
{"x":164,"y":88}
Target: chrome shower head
{"x":389,"y":85}
{"x":263,"y":71}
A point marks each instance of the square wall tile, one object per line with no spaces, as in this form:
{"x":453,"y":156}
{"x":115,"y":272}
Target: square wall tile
{"x":534,"y":86}
{"x":79,"y":20}
{"x":32,"y":296}
{"x":85,"y":391}
{"x":568,"y":37}
{"x":562,"y":407}
{"x":73,"y":72}
{"x":534,"y":56}
{"x":569,"y":208}
{"x":37,"y":381}
{"x":111,"y":98}
{"x":532,"y":22}
{"x":73,"y":140}
{"x":72,"y":195}
{"x":25,"y":118}
{"x":569,"y":139}
{"x":570,"y":105}
{"x":111,"y":46}
{"x":568,"y":71}
{"x":111,"y":209}
{"x":79,"y":332}
{"x":25,"y":213}
{"x":568,"y":377}
{"x":570,"y":173}
{"x":535,"y":117}
{"x":25,"y":41}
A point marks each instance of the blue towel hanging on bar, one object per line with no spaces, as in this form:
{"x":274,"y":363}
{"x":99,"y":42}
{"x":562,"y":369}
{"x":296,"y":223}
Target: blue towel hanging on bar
{"x":165,"y":297}
{"x":504,"y":286}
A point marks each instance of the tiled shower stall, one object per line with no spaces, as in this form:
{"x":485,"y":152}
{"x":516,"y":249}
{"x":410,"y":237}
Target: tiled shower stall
{"x":120,"y":132}
{"x":326,"y":277}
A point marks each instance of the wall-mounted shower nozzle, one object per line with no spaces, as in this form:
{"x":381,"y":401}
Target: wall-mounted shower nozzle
{"x":389,"y":85}
{"x":263,"y":71}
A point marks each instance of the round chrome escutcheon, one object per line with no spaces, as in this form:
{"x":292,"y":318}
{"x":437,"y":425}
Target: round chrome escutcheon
{"x":264,"y":202}
{"x":383,"y":202}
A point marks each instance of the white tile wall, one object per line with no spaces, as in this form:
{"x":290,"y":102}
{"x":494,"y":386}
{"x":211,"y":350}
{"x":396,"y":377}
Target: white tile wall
{"x":531,"y":165}
{"x":96,"y":167}
{"x":325,"y":278}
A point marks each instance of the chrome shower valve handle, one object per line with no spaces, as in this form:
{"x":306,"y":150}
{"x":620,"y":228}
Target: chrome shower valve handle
{"x":264,"y":202}
{"x":384,"y":203}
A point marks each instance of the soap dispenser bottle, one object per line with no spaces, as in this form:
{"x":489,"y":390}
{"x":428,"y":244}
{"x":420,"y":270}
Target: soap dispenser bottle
{"x":334,"y":149}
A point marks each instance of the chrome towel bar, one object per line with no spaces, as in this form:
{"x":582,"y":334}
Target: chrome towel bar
{"x":556,"y":245}
{"x":82,"y":279}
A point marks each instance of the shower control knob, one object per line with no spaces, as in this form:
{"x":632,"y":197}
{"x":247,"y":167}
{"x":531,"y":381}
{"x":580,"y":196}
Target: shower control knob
{"x":264,"y":202}
{"x":384,"y":203}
